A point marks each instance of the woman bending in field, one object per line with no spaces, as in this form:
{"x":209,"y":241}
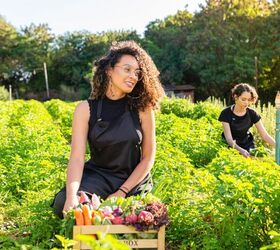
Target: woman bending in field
{"x":238,"y":118}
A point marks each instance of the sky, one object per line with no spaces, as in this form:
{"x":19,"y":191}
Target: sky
{"x":92,"y":15}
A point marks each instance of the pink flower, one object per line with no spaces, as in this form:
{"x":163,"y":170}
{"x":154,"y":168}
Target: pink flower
{"x":95,"y":201}
{"x":146,"y":217}
{"x":83,"y":198}
{"x":117,"y":220}
{"x":131,"y":219}
{"x":107,"y":211}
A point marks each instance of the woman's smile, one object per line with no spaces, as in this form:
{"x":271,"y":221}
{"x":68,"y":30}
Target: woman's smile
{"x":130,"y":84}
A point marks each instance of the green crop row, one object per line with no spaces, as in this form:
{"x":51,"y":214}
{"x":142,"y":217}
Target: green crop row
{"x":216,"y":198}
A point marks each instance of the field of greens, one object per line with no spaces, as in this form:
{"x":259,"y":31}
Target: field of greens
{"x":216,"y":198}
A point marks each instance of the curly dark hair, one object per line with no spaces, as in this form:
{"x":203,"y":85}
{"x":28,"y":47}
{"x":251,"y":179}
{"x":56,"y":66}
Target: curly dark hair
{"x":238,"y":89}
{"x":146,"y":93}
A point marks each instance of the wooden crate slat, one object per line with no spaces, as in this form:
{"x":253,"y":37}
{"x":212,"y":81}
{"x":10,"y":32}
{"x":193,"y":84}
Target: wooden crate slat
{"x":158,"y":243}
{"x":112,"y":229}
{"x":136,"y":243}
{"x":161,"y":238}
{"x":77,"y":231}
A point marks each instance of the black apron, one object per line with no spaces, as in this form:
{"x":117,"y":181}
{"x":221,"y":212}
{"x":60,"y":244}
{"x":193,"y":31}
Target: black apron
{"x":115,"y":149}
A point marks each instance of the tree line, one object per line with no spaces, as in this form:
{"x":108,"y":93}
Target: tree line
{"x":225,"y":42}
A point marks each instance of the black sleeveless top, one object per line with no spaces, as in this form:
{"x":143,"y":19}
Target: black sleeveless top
{"x":115,"y":138}
{"x":240,"y":125}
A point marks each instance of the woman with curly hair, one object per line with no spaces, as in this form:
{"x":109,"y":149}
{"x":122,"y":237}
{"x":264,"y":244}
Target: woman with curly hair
{"x":118,"y":123}
{"x":239,"y":118}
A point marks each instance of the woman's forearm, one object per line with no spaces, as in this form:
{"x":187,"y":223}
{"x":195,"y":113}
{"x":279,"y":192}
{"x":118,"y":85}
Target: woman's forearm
{"x":268,"y":139}
{"x":74,"y":176}
{"x":139,"y":173}
{"x":232,"y":144}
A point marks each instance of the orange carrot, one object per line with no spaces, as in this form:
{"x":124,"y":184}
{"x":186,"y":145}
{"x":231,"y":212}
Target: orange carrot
{"x":79,"y":217}
{"x":87,"y":214}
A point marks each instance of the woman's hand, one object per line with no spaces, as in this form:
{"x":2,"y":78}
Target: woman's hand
{"x":70,"y":203}
{"x":244,"y":152}
{"x":265,"y":136}
{"x":119,"y":193}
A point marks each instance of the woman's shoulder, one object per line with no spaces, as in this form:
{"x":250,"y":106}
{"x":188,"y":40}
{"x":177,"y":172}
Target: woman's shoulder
{"x":227,"y":110}
{"x":252,"y":111}
{"x":82,"y":108}
{"x":253,"y":114}
{"x":82,"y":105}
{"x":225,"y":114}
{"x":146,"y":114}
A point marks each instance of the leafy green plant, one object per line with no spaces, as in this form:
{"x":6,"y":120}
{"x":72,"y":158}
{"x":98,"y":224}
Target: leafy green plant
{"x":103,"y":242}
{"x":198,"y":139}
{"x":66,"y":243}
{"x":62,"y":115}
{"x":275,"y":239}
{"x":229,"y":202}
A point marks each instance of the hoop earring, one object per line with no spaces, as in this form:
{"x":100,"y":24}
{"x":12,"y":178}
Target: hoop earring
{"x":111,"y":92}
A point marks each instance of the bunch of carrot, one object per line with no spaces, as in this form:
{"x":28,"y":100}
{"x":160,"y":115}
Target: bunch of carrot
{"x":84,"y":215}
{"x":85,"y":212}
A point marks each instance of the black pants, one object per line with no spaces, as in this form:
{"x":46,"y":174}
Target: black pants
{"x":249,"y":143}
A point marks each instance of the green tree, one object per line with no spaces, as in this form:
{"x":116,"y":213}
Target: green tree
{"x":270,"y":75}
{"x":226,"y":37}
{"x":36,"y":48}
{"x":73,"y":54}
{"x":165,"y":40}
{"x":8,"y":36}
{"x":217,"y":46}
{"x":9,"y":58}
{"x":22,"y":54}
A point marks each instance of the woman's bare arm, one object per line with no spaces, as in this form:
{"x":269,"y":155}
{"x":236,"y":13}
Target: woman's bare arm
{"x":77,"y":156}
{"x":263,"y":133}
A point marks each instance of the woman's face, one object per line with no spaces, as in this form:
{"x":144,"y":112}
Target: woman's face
{"x":124,"y":75}
{"x":244,"y":100}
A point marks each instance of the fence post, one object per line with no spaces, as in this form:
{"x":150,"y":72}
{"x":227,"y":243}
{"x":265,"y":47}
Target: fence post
{"x":10,"y":92}
{"x":46,"y":80}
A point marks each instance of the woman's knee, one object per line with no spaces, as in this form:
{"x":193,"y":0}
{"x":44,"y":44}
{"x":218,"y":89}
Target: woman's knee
{"x":59,"y":202}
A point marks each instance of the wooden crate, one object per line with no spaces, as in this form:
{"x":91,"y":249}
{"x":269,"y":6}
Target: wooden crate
{"x":158,"y":243}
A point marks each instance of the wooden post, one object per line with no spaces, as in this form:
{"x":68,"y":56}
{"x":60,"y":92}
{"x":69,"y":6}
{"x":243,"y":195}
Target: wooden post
{"x":10,"y":92}
{"x":46,"y":80}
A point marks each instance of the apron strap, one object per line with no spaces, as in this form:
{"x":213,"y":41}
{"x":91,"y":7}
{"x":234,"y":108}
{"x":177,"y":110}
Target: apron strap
{"x":99,"y":109}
